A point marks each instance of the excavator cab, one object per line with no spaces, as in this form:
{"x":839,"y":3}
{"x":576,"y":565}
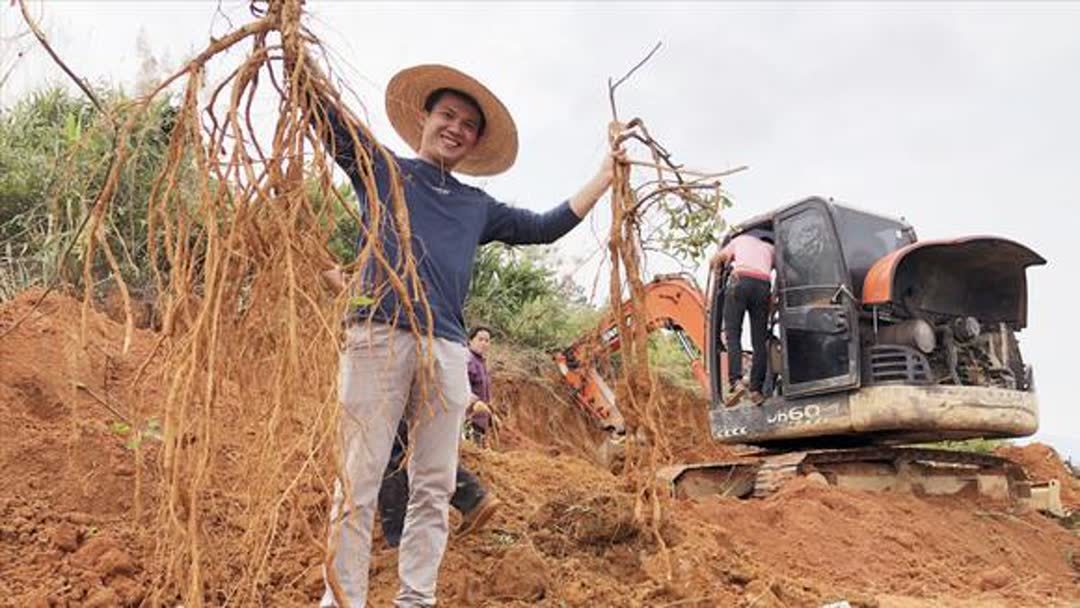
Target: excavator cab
{"x":879,"y":338}
{"x":814,"y":335}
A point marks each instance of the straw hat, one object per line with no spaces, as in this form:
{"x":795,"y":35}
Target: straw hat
{"x":496,"y":149}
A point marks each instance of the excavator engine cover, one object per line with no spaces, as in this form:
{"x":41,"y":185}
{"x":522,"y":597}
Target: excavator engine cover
{"x":981,"y":277}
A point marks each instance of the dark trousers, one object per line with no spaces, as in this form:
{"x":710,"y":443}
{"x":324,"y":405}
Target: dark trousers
{"x":394,"y":491}
{"x":746,"y":295}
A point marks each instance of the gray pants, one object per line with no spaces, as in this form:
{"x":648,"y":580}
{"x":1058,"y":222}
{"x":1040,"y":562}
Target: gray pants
{"x":380,"y":376}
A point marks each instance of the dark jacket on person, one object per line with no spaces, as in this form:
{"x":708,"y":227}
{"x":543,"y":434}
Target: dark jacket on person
{"x":479,"y":379}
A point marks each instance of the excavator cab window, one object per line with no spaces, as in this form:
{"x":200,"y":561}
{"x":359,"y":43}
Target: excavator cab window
{"x":818,"y":312}
{"x":866,"y":238}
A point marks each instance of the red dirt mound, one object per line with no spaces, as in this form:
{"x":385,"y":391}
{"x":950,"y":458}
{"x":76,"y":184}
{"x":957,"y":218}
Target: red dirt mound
{"x":686,"y":427}
{"x":862,"y":545}
{"x":66,"y":529}
{"x":538,"y":412}
{"x":70,"y":533}
{"x":536,"y":416}
{"x":1042,"y":463}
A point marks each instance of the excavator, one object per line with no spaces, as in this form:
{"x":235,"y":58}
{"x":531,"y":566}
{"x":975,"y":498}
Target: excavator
{"x":879,"y":344}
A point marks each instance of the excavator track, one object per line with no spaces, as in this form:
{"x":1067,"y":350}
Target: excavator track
{"x":921,"y":470}
{"x":952,"y":457}
{"x":775,"y":471}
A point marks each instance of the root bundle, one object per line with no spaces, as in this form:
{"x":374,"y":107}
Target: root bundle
{"x":640,"y":403}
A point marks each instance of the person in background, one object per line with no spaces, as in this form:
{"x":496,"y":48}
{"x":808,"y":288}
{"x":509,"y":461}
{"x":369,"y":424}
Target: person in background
{"x":479,"y":415}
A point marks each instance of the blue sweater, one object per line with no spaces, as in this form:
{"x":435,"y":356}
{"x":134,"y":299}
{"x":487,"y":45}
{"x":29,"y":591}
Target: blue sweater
{"x":449,"y":220}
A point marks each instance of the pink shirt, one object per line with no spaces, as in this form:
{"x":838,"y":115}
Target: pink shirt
{"x":750,"y":256}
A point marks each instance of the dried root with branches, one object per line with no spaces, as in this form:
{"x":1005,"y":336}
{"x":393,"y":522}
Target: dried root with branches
{"x":671,"y":191}
{"x":246,"y":363}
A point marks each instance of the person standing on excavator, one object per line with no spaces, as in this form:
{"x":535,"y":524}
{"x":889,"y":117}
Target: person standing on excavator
{"x":748,"y":291}
{"x":455,"y":124}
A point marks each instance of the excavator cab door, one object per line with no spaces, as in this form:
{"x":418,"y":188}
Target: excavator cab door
{"x":818,"y":312}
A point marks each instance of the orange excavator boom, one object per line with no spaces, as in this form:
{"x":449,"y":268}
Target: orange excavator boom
{"x":672,"y":302}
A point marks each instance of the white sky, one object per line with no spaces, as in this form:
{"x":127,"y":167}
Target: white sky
{"x":963,"y":118}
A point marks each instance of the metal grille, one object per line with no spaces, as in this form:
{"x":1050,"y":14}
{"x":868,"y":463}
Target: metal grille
{"x":887,"y":363}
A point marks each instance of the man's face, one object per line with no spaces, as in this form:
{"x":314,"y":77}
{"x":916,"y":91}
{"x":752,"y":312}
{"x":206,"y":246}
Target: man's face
{"x":480,"y":342}
{"x":450,"y":131}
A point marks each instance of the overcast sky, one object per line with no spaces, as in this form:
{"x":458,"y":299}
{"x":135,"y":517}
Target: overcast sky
{"x":962,"y":118}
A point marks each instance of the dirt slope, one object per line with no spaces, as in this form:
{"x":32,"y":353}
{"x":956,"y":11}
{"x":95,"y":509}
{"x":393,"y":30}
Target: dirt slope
{"x":1042,"y":463}
{"x":73,"y":534}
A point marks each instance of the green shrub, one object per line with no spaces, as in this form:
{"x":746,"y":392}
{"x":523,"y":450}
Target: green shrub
{"x":55,"y":151}
{"x":670,"y":360}
{"x":515,"y":291}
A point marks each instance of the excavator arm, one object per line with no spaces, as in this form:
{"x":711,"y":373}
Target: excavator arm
{"x":672,"y":302}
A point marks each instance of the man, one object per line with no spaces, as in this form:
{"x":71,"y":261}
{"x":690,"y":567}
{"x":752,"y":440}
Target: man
{"x":748,"y":290}
{"x":455,"y":124}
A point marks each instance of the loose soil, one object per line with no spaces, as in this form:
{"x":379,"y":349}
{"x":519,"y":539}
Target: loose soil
{"x":80,"y":489}
{"x":1042,"y":463}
